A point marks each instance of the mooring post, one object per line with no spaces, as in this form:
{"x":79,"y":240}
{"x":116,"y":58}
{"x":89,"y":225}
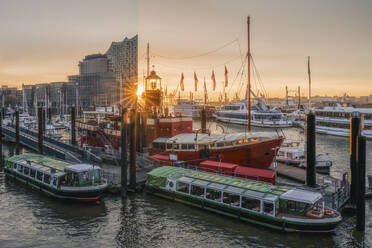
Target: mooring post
{"x":310,"y":149}
{"x":361,"y":183}
{"x":132,"y":178}
{"x":73,"y":132}
{"x":203,"y":119}
{"x":138,"y":131}
{"x":40,"y":129}
{"x":124,"y":154}
{"x":17,"y":132}
{"x":354,"y":133}
{"x":44,"y":120}
{"x":1,"y":138}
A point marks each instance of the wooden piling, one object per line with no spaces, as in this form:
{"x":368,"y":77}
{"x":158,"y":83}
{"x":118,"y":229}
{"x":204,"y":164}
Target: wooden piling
{"x":354,"y":133}
{"x":44,"y":120}
{"x":40,"y":129}
{"x":361,"y":184}
{"x":138,"y":132}
{"x":310,"y":150}
{"x":203,"y":120}
{"x":73,"y":132}
{"x":132,"y":156}
{"x":17,"y":132}
{"x":143,"y":129}
{"x":124,"y":154}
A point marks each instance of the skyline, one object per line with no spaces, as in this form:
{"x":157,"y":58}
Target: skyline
{"x":334,"y":33}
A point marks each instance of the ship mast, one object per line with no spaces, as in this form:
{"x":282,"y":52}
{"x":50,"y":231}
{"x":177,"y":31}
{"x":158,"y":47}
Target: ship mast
{"x":249,"y":77}
{"x":148,"y":59}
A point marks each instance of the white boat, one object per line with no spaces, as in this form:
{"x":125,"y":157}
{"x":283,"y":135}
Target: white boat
{"x":291,"y":153}
{"x":261,"y":115}
{"x":187,"y":108}
{"x":334,"y":119}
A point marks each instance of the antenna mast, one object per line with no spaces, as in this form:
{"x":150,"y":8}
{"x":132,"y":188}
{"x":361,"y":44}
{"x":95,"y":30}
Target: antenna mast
{"x":249,"y":76}
{"x":148,"y":59}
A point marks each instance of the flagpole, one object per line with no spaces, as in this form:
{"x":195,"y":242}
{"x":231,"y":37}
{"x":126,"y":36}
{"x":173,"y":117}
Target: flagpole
{"x":249,"y":76}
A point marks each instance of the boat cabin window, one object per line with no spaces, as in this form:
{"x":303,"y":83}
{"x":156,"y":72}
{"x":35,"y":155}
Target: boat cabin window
{"x":213,"y":194}
{"x":47,"y":179}
{"x":251,"y":204}
{"x":231,"y":199}
{"x":169,"y":146}
{"x":221,"y":144}
{"x":26,"y":170}
{"x":183,"y":187}
{"x":20,"y":168}
{"x":32,"y":173}
{"x":281,"y":153}
{"x":268,"y":208}
{"x":39,"y":176}
{"x":155,"y":145}
{"x":55,"y":181}
{"x":197,"y":190}
{"x":191,"y":146}
{"x":296,"y":206}
{"x":184,"y":146}
{"x":15,"y":166}
{"x":176,"y":146}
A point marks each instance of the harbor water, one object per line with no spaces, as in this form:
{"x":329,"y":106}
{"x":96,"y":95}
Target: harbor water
{"x":30,"y":219}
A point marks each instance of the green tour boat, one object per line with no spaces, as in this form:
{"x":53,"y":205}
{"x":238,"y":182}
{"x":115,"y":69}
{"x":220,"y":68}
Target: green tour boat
{"x":286,"y":209}
{"x":76,"y":182}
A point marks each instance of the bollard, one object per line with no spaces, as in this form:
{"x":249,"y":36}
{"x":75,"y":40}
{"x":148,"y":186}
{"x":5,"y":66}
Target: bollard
{"x":40,"y":128}
{"x":203,"y":120}
{"x":132,"y":150}
{"x":361,"y":182}
{"x":1,"y":138}
{"x":17,"y":132}
{"x":73,"y":133}
{"x":354,"y":133}
{"x":124,"y":154}
{"x":310,"y":149}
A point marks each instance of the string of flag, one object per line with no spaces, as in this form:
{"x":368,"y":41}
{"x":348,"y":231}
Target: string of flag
{"x":196,"y":81}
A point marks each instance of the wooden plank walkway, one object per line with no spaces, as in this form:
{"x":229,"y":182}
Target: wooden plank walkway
{"x":296,"y":174}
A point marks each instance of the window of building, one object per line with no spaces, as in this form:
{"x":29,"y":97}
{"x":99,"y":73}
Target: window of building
{"x":47,"y":179}
{"x":32,"y":173}
{"x":183,"y":187}
{"x":268,"y":208}
{"x":231,"y":199}
{"x":197,"y":190}
{"x":251,"y":204}
{"x":39,"y":176}
{"x":213,"y":194}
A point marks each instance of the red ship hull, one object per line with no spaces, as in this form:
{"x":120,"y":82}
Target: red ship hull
{"x":258,"y":155}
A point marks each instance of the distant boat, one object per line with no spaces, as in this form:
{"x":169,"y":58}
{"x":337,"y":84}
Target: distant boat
{"x":334,"y":118}
{"x":291,"y":153}
{"x":284,"y":209}
{"x":261,"y":115}
{"x":58,"y":179}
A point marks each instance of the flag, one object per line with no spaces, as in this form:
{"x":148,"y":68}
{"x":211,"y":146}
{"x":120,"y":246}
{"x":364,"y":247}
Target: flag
{"x":166,"y":91}
{"x":196,"y":82}
{"x":181,"y":83}
{"x":226,"y":81}
{"x":213,"y":80}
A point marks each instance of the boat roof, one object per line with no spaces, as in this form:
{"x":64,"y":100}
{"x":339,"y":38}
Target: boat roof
{"x":39,"y":159}
{"x":197,"y":176}
{"x":204,"y":138}
{"x":81,"y":167}
{"x":301,"y":195}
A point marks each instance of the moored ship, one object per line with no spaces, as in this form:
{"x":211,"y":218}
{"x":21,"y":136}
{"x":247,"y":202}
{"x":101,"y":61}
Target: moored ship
{"x":256,"y":149}
{"x":285,"y":209}
{"x":58,"y":179}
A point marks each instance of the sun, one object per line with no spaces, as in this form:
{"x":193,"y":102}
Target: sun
{"x":139,"y":90}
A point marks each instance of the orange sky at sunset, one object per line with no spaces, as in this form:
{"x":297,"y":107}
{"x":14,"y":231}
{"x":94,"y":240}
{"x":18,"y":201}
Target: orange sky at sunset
{"x":43,"y":41}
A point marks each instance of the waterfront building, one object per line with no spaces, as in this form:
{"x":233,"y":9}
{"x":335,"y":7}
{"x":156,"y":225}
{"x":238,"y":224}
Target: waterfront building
{"x":123,"y":56}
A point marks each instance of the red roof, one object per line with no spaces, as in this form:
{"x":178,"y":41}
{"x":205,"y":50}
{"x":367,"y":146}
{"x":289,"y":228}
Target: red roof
{"x":255,"y":172}
{"x":217,"y":164}
{"x":161,"y":157}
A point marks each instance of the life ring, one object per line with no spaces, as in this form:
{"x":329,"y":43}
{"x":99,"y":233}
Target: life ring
{"x":329,"y":212}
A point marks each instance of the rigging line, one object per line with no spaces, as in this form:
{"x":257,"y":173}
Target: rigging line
{"x":259,"y":77}
{"x":199,"y":55}
{"x":241,"y":69}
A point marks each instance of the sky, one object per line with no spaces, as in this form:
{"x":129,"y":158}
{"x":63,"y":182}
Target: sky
{"x":43,"y":41}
